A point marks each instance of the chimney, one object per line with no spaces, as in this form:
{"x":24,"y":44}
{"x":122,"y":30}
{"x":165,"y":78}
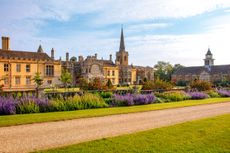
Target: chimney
{"x":96,"y":55}
{"x":67,"y":56}
{"x":80,"y":58}
{"x":5,"y":43}
{"x":52,"y":53}
{"x":110,"y":57}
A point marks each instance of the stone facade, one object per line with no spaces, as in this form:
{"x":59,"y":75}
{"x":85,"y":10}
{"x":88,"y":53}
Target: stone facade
{"x":209,"y":72}
{"x":119,"y":72}
{"x":144,"y":73}
{"x":17,"y":68}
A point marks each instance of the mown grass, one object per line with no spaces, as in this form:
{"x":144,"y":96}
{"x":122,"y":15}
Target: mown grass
{"x":67,"y":115}
{"x":202,"y":136}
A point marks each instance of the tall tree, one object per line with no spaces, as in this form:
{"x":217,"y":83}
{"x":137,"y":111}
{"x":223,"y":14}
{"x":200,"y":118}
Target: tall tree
{"x":177,"y":67}
{"x":38,"y":81}
{"x":66,"y":78}
{"x":163,"y":70}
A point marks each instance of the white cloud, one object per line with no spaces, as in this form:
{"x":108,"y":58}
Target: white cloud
{"x":147,"y":27}
{"x":23,"y":20}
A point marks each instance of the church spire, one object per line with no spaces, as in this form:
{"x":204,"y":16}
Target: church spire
{"x":40,"y":50}
{"x":122,"y":41}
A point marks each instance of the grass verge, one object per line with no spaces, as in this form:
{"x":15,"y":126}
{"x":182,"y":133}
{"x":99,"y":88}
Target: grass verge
{"x":210,"y":135}
{"x":58,"y":116}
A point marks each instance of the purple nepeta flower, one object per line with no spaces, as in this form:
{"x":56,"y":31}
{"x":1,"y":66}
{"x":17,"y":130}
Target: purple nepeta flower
{"x":198,"y":95}
{"x":7,"y":106}
{"x":132,"y":99}
{"x":223,"y":93}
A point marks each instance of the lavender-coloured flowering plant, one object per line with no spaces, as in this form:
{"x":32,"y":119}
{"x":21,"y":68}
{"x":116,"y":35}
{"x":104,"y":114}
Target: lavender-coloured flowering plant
{"x":7,"y":106}
{"x":198,"y":95}
{"x":132,"y":99}
{"x":223,"y":93}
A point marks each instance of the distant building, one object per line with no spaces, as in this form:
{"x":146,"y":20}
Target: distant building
{"x":17,"y":68}
{"x":127,"y":73}
{"x":209,"y":72}
{"x":119,"y":72}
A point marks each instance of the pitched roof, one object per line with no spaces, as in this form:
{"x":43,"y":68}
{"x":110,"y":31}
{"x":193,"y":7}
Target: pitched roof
{"x":190,"y":70}
{"x":108,"y":63}
{"x":216,"y":69}
{"x":209,"y":52}
{"x":23,"y":54}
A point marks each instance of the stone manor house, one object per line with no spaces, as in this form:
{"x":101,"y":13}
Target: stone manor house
{"x":118,"y":71}
{"x":17,"y":68}
{"x":209,"y":72}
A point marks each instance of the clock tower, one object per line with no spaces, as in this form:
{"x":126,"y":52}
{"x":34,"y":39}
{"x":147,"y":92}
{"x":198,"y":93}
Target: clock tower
{"x":208,"y":61}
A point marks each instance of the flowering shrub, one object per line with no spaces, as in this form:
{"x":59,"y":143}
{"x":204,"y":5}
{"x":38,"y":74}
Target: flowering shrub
{"x":7,"y":106}
{"x":223,"y":93}
{"x":86,"y":101}
{"x":27,"y":105}
{"x":132,"y":99}
{"x":173,"y":96}
{"x":140,"y":99}
{"x":198,"y":95}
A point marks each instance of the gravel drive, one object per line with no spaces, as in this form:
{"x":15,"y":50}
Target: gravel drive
{"x":31,"y":137}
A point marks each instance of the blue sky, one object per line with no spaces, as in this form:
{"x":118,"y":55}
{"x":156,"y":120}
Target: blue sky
{"x":175,"y":31}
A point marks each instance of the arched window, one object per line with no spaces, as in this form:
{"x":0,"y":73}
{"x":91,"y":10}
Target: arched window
{"x":125,"y":58}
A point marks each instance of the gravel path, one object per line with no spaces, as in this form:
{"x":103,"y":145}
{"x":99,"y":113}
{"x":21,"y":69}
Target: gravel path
{"x":27,"y":138}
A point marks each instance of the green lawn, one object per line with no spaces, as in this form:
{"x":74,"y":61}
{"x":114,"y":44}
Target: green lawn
{"x":202,"y":136}
{"x":58,"y":116}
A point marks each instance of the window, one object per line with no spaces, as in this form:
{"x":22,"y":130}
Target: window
{"x":49,"y":70}
{"x":18,"y":68}
{"x":125,"y":58}
{"x":6,"y":81}
{"x":6,"y":67}
{"x":49,"y":81}
{"x":17,"y":80}
{"x":28,"y":80}
{"x":113,"y":73}
{"x":27,"y":68}
{"x":108,"y":73}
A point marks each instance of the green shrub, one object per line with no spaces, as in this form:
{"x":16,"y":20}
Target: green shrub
{"x":108,"y":100}
{"x":149,"y":85}
{"x":213,"y":94}
{"x":106,"y":94}
{"x":92,"y":101}
{"x":86,"y":101}
{"x":157,"y":85}
{"x":201,"y":85}
{"x":27,"y":107}
{"x":173,"y":96}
